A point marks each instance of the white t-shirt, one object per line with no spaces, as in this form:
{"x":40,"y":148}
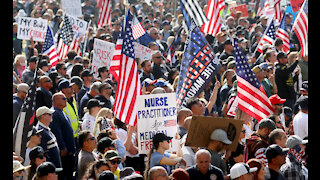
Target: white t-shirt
{"x":300,"y":125}
{"x":123,"y":135}
{"x":88,"y":122}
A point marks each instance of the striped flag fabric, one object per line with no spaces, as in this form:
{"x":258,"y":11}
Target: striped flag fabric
{"x":277,"y":11}
{"x":137,"y":29}
{"x":26,"y":119}
{"x":284,"y":35}
{"x":300,"y":27}
{"x":268,"y":37}
{"x":169,"y":123}
{"x":105,"y":14}
{"x":252,"y":98}
{"x":66,"y":38}
{"x":125,"y":107}
{"x":49,"y":48}
{"x":213,"y":26}
{"x":192,"y":10}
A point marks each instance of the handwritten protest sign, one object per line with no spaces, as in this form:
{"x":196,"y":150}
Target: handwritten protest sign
{"x":201,"y":128}
{"x":79,"y":26}
{"x":142,"y":52}
{"x":35,"y":27}
{"x":156,"y":113}
{"x":102,"y":55}
{"x":73,"y":7}
{"x":296,"y":5}
{"x":242,"y":8}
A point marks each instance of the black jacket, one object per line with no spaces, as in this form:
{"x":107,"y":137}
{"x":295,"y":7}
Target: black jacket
{"x":285,"y":81}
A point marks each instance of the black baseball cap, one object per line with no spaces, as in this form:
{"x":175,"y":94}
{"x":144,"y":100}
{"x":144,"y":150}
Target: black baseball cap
{"x":64,"y":84}
{"x":86,"y":73}
{"x":35,"y":131}
{"x":94,"y":103}
{"x":267,"y":123}
{"x":106,"y":175}
{"x":275,"y":150}
{"x":35,"y":152}
{"x":45,"y":168}
{"x":159,"y":137}
{"x":103,"y":143}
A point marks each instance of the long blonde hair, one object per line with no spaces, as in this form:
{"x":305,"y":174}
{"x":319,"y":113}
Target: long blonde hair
{"x":103,"y":113}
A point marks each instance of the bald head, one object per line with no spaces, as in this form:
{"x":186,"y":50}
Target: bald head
{"x":156,"y":172}
{"x":202,"y":153}
{"x":187,"y":122}
{"x":182,"y":115}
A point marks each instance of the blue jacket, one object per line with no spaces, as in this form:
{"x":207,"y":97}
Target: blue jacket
{"x":49,"y":145}
{"x":62,"y":129}
{"x":16,"y":107}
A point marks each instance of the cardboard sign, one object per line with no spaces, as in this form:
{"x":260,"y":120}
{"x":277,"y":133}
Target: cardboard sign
{"x":79,"y":26}
{"x":35,"y":27}
{"x":201,"y":128}
{"x":142,"y":52}
{"x":73,"y":7}
{"x":156,"y":113}
{"x":102,"y":55}
{"x":242,"y":8}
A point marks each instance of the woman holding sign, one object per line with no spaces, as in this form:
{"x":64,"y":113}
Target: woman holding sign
{"x":158,"y":157}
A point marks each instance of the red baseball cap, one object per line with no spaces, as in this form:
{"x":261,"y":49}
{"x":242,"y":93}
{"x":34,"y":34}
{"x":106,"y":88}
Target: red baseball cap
{"x":275,"y":99}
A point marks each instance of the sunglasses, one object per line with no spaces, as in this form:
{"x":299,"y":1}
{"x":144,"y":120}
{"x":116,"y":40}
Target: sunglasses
{"x":48,"y":81}
{"x":92,"y":138}
{"x":278,"y":104}
{"x":108,"y":88}
{"x":158,"y":57}
{"x":64,"y":99}
{"x":114,"y":162}
{"x":243,"y":131}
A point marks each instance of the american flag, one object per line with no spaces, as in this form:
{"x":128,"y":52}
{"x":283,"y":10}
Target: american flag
{"x":252,"y":98}
{"x":168,"y":123}
{"x":105,"y":13}
{"x":192,"y":10}
{"x":67,"y":39}
{"x":277,"y":11}
{"x":198,"y":67}
{"x":213,"y":26}
{"x":49,"y":48}
{"x":137,"y":29}
{"x":23,"y":128}
{"x":125,"y":107}
{"x":268,"y":37}
{"x":284,"y":35}
{"x":300,"y":27}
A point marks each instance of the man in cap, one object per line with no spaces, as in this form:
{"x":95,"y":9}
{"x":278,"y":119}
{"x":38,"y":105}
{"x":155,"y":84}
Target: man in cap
{"x":268,"y":83}
{"x":113,"y":159}
{"x":48,"y":139}
{"x":18,"y":169}
{"x":87,"y":78}
{"x":228,"y":50}
{"x":294,"y":168}
{"x":93,"y":92}
{"x":204,"y":169}
{"x":35,"y":140}
{"x":242,"y":171}
{"x":18,"y":99}
{"x":284,"y":79}
{"x":71,"y":109}
{"x":43,"y":67}
{"x":263,"y":22}
{"x":159,"y":69}
{"x":62,"y":128}
{"x":87,"y":143}
{"x":105,"y":93}
{"x":276,"y":157}
{"x":277,"y":103}
{"x":47,"y":170}
{"x":148,"y":84}
{"x":166,"y":30}
{"x":218,"y":143}
{"x":88,"y":120}
{"x":219,"y":45}
{"x":105,"y":144}
{"x":303,"y":92}
{"x":258,"y":141}
{"x":300,"y":120}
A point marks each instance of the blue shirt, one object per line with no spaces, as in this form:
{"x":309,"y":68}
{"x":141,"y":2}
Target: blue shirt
{"x":155,"y":160}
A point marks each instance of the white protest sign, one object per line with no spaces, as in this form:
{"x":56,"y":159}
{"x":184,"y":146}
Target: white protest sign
{"x":102,"y":55}
{"x":156,"y":113}
{"x":35,"y":27}
{"x":73,"y":7}
{"x":142,"y":52}
{"x":79,"y":26}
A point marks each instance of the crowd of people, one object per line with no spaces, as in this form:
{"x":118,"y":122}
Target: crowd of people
{"x":76,"y":136}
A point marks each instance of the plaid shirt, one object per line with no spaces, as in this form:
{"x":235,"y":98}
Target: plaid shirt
{"x":292,"y":169}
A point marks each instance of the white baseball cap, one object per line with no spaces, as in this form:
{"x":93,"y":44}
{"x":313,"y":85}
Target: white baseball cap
{"x":43,"y":110}
{"x":220,"y":135}
{"x":240,"y":169}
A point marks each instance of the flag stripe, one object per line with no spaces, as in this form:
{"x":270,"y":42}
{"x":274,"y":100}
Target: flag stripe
{"x":213,"y":14}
